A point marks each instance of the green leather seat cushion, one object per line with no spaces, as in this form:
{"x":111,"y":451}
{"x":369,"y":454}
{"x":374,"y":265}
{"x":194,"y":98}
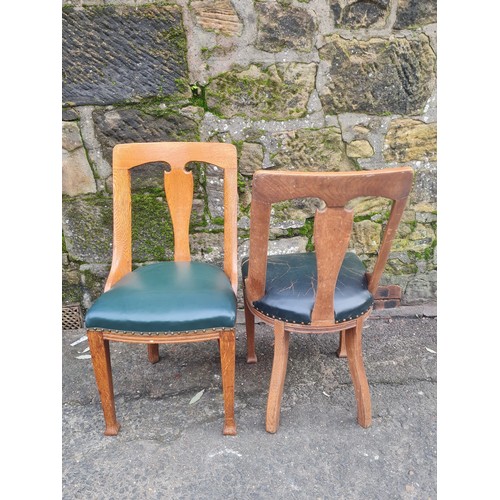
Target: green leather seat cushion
{"x":291,"y":282}
{"x":166,"y":297}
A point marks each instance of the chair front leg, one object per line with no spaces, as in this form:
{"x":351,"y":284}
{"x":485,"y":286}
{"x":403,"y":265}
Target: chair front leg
{"x":153,"y":353}
{"x":227,"y":344}
{"x":280,"y":361}
{"x":250,"y":330}
{"x":99,"y":349}
{"x":358,"y":374}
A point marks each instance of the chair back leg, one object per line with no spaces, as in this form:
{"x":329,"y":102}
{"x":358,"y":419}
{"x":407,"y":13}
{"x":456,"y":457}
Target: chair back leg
{"x":250,"y":330}
{"x":99,"y":348}
{"x":341,"y":351}
{"x":153,"y":353}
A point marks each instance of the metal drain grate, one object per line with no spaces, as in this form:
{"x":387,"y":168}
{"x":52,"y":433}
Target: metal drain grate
{"x":72,"y":318}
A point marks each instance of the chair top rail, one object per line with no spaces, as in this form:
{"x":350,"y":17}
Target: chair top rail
{"x":334,"y":188}
{"x":177,"y":154}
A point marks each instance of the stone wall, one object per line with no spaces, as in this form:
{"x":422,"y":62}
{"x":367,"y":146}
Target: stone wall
{"x":323,"y":85}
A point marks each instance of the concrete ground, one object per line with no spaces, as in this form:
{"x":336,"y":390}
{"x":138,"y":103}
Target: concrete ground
{"x":168,"y":448}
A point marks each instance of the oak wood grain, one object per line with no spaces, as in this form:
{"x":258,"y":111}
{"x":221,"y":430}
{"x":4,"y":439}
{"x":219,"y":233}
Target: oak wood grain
{"x":179,"y":193}
{"x":332,"y":231}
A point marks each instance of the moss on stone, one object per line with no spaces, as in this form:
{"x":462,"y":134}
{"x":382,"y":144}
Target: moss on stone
{"x":198,"y":96}
{"x":152,"y":233}
{"x":396,"y":267}
{"x":308,"y":230}
{"x":71,"y":293}
{"x":426,"y":255}
{"x":93,"y":281}
{"x":161,"y":106}
{"x":176,"y":37}
{"x":412,"y":224}
{"x":218,"y":220}
{"x":262,"y":93}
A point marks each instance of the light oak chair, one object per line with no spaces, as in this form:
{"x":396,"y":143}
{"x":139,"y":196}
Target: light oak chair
{"x":167,"y":302}
{"x":324,"y":291}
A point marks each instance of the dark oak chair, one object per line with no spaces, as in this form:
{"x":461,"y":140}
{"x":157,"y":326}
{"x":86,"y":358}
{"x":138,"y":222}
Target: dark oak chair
{"x":167,"y":302}
{"x":324,"y":291}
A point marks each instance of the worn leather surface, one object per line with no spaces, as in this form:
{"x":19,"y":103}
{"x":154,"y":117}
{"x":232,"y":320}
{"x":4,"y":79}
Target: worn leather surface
{"x":166,"y":297}
{"x":291,"y":282}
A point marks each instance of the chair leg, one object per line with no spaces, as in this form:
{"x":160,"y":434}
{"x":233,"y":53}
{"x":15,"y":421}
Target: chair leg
{"x":281,"y":342}
{"x":358,"y":374}
{"x":227,"y":344}
{"x":99,"y":349}
{"x":250,"y":329}
{"x":153,"y":353}
{"x":341,"y":351}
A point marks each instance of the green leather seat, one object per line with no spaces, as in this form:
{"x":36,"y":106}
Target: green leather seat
{"x":291,"y":282}
{"x":166,"y":297}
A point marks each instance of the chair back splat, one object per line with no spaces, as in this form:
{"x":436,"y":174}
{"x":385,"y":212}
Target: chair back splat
{"x":324,"y":291}
{"x":167,"y":302}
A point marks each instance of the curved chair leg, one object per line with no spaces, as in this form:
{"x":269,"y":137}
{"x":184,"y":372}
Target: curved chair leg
{"x":99,"y":349}
{"x":341,"y":351}
{"x":227,"y":344}
{"x":153,"y":353}
{"x":358,"y":374}
{"x":250,"y":329}
{"x":281,"y":342}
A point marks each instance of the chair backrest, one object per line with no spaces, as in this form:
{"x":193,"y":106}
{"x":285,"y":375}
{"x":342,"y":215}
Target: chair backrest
{"x":332,"y":225}
{"x":179,"y":193}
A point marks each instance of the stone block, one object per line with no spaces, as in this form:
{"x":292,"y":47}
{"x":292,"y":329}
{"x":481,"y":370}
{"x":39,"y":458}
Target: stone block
{"x":421,"y":237}
{"x":278,"y":92}
{"x":424,"y":189}
{"x":71,"y":287}
{"x":359,"y":149}
{"x":354,"y":14}
{"x":214,"y":183}
{"x":133,"y":125}
{"x":218,"y":16}
{"x":93,"y":279}
{"x":365,"y":238}
{"x":413,"y":13}
{"x":409,"y":139}
{"x":283,"y":27}
{"x":251,"y":158}
{"x":77,"y":176}
{"x":69,"y":114}
{"x":87,"y":228}
{"x":207,"y":247}
{"x":111,"y":54}
{"x":370,"y":207}
{"x":400,"y":266}
{"x":420,"y":289}
{"x":315,"y":150}
{"x":71,"y":138}
{"x":377,"y":76}
{"x":297,"y":244}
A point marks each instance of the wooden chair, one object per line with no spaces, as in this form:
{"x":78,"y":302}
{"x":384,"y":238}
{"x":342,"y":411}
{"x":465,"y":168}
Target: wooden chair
{"x":167,"y":302}
{"x":323,"y":291}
